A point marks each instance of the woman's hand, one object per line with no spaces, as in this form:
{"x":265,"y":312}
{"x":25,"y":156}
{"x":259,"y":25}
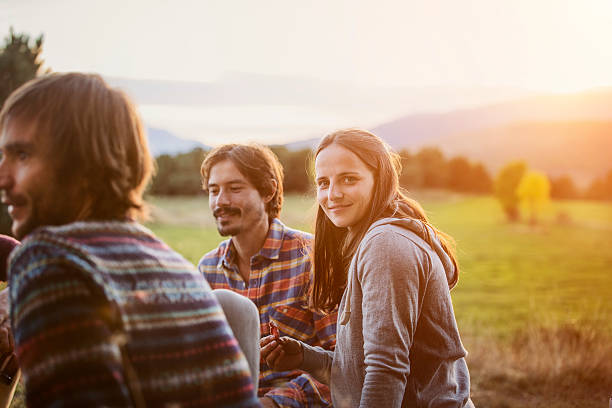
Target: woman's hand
{"x":281,"y":354}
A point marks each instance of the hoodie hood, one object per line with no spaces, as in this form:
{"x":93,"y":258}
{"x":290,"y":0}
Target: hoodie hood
{"x":428,"y":235}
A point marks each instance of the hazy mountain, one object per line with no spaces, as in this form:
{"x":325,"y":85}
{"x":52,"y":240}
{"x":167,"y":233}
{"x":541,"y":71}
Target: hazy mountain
{"x":279,"y":109}
{"x":413,"y":131}
{"x":581,"y":149}
{"x":559,"y":134}
{"x":163,"y":142}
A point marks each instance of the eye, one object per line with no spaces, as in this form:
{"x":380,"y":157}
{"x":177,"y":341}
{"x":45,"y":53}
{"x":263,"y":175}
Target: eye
{"x":22,"y":155}
{"x":213,"y":191}
{"x":349,"y":179}
{"x":322,"y":184}
{"x":236,"y":189}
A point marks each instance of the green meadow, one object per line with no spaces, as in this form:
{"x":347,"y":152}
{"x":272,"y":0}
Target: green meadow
{"x":511,"y":274}
{"x":533,"y":303}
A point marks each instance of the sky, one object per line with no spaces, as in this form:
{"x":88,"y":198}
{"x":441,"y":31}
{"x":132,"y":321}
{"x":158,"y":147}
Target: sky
{"x":502,"y":46}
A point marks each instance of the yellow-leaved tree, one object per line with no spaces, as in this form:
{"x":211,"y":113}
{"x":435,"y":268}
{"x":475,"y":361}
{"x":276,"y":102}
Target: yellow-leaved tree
{"x":506,"y":185}
{"x":534,"y":192}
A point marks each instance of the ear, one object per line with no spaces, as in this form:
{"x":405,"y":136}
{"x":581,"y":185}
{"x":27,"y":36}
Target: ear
{"x":269,"y":197}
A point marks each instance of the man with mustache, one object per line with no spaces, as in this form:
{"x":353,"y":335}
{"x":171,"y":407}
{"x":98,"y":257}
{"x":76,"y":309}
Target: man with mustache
{"x":103,"y":313}
{"x":265,"y":261}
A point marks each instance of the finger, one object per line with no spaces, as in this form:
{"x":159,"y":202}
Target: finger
{"x":265,"y":340}
{"x":292,"y":346}
{"x":268,"y":348}
{"x":273,"y":357}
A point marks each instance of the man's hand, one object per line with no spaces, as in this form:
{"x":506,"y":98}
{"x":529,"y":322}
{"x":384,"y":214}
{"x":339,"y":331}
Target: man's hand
{"x":6,"y":337}
{"x":281,"y":354}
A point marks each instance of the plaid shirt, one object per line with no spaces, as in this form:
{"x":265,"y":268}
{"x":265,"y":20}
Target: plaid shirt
{"x":278,"y":284}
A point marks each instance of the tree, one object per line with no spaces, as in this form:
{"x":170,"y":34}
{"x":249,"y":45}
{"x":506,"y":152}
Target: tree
{"x":411,"y":175}
{"x":459,"y":169}
{"x":295,"y":169}
{"x":505,"y":187}
{"x":19,"y":62}
{"x":433,"y":167}
{"x":563,"y":187}
{"x":179,"y":174}
{"x":601,"y":188}
{"x":480,"y":179}
{"x":534,"y":191}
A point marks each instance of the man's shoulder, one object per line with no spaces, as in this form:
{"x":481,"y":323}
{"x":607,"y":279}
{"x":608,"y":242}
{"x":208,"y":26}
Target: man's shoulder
{"x":213,"y":257}
{"x":42,"y":243}
{"x":295,"y":234}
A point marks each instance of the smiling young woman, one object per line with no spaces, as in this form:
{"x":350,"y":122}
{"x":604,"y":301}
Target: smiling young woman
{"x":389,"y":272}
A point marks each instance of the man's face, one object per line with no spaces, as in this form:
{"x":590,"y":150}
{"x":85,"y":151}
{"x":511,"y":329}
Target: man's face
{"x":28,"y":183}
{"x":236,"y":204}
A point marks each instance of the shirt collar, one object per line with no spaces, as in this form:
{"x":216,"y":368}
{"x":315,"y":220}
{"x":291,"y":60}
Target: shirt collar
{"x":270,"y":249}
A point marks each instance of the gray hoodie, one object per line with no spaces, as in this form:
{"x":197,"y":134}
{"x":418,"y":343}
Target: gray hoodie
{"x":397,"y":343}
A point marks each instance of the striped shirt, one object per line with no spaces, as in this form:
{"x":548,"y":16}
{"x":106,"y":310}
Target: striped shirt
{"x":278,"y":285}
{"x":105,"y":314}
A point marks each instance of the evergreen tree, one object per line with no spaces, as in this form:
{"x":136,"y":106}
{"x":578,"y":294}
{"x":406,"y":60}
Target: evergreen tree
{"x":19,"y":62}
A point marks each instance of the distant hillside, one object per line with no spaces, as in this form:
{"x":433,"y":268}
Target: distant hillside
{"x":582,"y":149}
{"x":163,"y":142}
{"x":414,"y":131}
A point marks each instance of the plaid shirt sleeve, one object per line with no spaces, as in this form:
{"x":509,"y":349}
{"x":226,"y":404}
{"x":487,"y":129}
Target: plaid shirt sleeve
{"x":278,"y":283}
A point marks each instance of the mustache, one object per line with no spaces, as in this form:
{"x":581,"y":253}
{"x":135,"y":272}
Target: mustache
{"x":12,"y":199}
{"x":226,"y":210}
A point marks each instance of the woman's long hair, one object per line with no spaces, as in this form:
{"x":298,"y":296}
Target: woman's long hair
{"x":334,"y":247}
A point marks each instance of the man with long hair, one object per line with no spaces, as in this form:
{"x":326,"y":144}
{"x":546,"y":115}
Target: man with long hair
{"x":103,"y":313}
{"x":265,"y":261}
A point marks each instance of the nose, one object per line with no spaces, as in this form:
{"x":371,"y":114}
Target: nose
{"x":223,"y":198}
{"x":335,"y":192}
{"x":5,"y":177}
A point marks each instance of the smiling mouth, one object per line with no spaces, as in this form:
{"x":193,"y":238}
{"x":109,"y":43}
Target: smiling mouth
{"x":226,"y":212}
{"x":338,"y":207}
{"x":12,"y":206}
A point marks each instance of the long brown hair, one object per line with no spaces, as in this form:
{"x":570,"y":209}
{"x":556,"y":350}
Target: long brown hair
{"x":96,"y":140}
{"x":333,"y":246}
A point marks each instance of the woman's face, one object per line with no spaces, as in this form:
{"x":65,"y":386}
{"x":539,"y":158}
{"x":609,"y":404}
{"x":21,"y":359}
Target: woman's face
{"x":344,"y":185}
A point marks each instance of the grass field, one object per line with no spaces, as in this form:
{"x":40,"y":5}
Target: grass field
{"x":511,"y":274}
{"x":533,"y":303}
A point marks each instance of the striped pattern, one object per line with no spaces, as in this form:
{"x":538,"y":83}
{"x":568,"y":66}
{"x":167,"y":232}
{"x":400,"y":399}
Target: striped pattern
{"x":105,"y":314}
{"x":278,"y":284}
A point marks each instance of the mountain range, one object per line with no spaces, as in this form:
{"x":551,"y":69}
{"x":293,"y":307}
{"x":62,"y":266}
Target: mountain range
{"x":162,"y":141}
{"x":558,"y":134}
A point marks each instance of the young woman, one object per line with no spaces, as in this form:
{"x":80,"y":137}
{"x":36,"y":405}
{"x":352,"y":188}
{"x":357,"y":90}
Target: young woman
{"x":389,"y":272}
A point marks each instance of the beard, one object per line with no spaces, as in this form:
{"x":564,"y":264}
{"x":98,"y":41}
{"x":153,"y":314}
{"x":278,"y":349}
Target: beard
{"x":42,"y":209}
{"x":225,"y":228}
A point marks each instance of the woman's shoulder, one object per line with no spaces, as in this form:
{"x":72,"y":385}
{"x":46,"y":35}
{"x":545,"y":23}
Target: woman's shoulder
{"x":391,"y":241}
{"x":393,"y":232}
{"x":401,"y":243}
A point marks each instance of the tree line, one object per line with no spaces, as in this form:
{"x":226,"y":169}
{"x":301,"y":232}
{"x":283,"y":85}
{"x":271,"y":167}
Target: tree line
{"x":427,"y":168}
